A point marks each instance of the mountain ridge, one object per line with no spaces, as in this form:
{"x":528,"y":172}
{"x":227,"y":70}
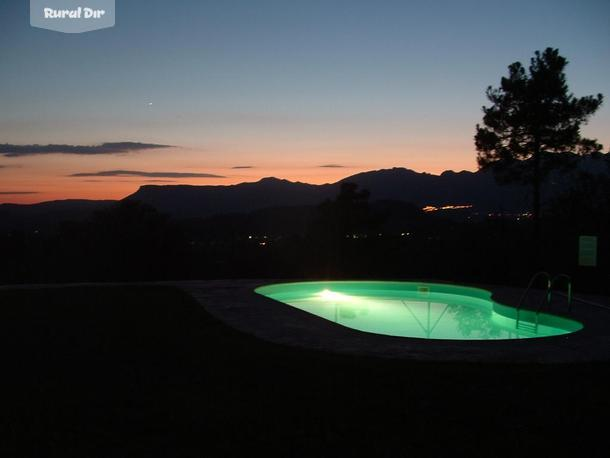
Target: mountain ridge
{"x":478,"y":189}
{"x":398,"y":183}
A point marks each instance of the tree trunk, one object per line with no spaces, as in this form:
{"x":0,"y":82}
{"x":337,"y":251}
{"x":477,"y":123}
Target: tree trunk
{"x":536,"y":207}
{"x":536,"y":183}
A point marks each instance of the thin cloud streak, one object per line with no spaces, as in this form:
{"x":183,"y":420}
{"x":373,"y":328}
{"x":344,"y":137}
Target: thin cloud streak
{"x":17,"y":193}
{"x":243,"y":167}
{"x":137,"y":173}
{"x":128,"y":181}
{"x":9,"y":150}
{"x":332,"y":166}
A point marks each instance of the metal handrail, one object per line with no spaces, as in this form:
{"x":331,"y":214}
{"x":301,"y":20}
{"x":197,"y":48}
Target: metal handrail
{"x":569,"y":288}
{"x":529,"y":286}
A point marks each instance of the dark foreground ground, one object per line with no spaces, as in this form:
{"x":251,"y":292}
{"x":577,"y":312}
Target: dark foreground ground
{"x":144,"y":371}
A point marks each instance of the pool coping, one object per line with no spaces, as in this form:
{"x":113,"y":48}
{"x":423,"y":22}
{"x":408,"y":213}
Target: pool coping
{"x":235,"y":303}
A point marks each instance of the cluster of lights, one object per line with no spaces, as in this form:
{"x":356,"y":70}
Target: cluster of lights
{"x":355,"y":236}
{"x":432,"y":208}
{"x":518,"y":216}
{"x":364,"y":236}
{"x":263,"y":239}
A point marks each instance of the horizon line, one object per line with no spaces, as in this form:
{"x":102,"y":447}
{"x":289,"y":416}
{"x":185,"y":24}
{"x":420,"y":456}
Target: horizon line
{"x":241,"y":183}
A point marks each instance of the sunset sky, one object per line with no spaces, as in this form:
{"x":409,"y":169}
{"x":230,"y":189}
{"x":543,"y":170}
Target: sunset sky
{"x":310,"y":90}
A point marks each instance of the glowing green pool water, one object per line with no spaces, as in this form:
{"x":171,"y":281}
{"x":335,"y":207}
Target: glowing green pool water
{"x":411,"y":309}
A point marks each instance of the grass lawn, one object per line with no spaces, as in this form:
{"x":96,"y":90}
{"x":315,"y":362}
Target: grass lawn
{"x":144,"y":371}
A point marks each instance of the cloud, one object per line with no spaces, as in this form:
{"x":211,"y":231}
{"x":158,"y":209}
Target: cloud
{"x":332,"y":166}
{"x":243,"y":167}
{"x":9,"y":150}
{"x":137,"y":173}
{"x":17,"y":193}
{"x":128,"y":181}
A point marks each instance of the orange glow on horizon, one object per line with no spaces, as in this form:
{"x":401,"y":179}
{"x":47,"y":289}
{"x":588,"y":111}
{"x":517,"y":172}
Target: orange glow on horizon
{"x":48,"y":177}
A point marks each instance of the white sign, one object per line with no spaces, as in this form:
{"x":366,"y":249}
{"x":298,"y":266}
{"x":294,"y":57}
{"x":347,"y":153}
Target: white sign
{"x":72,"y":16}
{"x":587,"y":250}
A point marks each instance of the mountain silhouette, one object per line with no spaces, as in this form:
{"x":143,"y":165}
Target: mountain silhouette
{"x":46,"y":215}
{"x":450,"y":188}
{"x":201,"y":201}
{"x":478,"y":189}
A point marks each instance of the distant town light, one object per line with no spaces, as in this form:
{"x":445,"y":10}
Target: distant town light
{"x":432,"y":208}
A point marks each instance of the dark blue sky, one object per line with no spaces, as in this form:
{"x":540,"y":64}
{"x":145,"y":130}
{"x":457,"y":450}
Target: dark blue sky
{"x":287,"y":85}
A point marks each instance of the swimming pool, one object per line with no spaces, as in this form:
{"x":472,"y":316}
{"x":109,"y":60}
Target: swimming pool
{"x":420,"y":310}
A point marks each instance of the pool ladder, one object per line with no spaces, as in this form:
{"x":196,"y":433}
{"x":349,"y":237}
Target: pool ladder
{"x":546,"y":299}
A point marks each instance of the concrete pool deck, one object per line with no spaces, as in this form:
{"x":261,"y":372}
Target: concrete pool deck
{"x":235,"y":303}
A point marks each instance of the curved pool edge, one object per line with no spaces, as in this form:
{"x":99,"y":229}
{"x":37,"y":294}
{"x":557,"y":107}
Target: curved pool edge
{"x":503,"y":315}
{"x":235,"y":303}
